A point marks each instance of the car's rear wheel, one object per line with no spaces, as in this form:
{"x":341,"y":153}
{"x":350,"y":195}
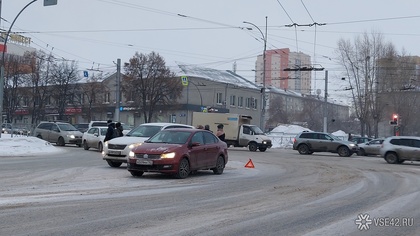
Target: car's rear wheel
{"x":183,"y":169}
{"x":85,"y":145}
{"x":303,"y":149}
{"x":391,"y":158}
{"x":262,"y":149}
{"x":100,"y":147}
{"x":220,"y":166}
{"x":344,"y":151}
{"x":60,"y":141}
{"x":253,"y":147}
{"x":136,"y":173}
{"x":361,"y":152}
{"x":114,"y":163}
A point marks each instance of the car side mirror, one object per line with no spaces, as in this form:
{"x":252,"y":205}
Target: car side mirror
{"x":96,"y":134}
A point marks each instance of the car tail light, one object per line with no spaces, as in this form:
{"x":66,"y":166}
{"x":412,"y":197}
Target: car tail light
{"x":294,"y":140}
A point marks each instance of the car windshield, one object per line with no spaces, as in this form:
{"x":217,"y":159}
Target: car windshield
{"x":144,"y":131}
{"x":67,"y":127}
{"x":173,"y":137}
{"x":103,"y":131}
{"x":335,"y":137}
{"x":256,"y":130}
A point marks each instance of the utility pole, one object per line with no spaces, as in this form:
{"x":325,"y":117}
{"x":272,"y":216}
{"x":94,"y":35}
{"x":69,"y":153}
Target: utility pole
{"x":326,"y":102}
{"x":117,"y":91}
{"x":264,"y":37}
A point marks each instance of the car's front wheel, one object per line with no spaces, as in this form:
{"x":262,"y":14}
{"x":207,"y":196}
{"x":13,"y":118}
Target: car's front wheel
{"x":114,"y":163}
{"x":220,"y":166}
{"x":391,"y":158}
{"x":344,"y":151}
{"x":100,"y":147}
{"x":361,"y":152}
{"x":85,"y":145}
{"x":303,"y":149}
{"x":60,"y":141}
{"x":253,"y":147}
{"x":183,"y":169}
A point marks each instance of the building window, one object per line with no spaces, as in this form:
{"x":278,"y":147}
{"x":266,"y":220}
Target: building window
{"x":219,"y":98}
{"x":232,"y":100}
{"x":25,"y":101}
{"x":107,"y":97}
{"x":240,"y":101}
{"x":254,"y":103}
{"x":248,"y":103}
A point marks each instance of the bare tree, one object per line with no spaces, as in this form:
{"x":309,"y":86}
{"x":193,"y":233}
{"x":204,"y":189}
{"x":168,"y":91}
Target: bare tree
{"x":36,"y":83}
{"x":278,"y":113}
{"x":14,"y":71}
{"x":92,"y":91}
{"x":360,"y":60}
{"x":64,"y":78}
{"x":312,"y":114}
{"x":150,"y":84}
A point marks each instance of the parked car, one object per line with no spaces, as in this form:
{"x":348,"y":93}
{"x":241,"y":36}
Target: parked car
{"x":179,"y":152}
{"x":94,"y":137}
{"x":97,"y":123}
{"x":6,"y":128}
{"x":82,"y":127}
{"x":58,"y":132}
{"x":372,"y":147}
{"x":116,"y":150}
{"x":309,"y":142}
{"x":358,"y":140}
{"x":397,"y":149}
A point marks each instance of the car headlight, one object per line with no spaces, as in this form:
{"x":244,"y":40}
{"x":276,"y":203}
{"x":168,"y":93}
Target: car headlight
{"x":131,"y":146}
{"x":70,"y":136}
{"x":264,"y":142}
{"x":168,"y":155}
{"x":352,"y":145}
{"x":131,"y":154}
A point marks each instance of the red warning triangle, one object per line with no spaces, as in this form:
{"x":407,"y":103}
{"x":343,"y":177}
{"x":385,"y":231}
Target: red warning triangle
{"x":249,"y":164}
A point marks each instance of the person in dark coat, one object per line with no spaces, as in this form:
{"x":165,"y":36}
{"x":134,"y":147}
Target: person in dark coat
{"x":119,"y":129}
{"x":207,"y":127}
{"x":220,"y":133}
{"x":110,"y":132}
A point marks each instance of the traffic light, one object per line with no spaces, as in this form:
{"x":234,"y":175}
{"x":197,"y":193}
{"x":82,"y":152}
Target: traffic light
{"x":394,"y":120}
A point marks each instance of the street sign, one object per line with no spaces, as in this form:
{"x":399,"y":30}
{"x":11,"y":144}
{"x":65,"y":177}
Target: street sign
{"x":50,"y":2}
{"x":184,"y":80}
{"x":86,"y":73}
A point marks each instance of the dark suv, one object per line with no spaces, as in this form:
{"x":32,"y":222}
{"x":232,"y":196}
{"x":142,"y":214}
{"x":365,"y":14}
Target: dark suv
{"x":310,"y":142}
{"x":397,"y":149}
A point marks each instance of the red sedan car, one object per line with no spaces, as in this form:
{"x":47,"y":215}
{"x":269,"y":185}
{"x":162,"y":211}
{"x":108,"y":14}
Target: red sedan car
{"x":179,"y":152}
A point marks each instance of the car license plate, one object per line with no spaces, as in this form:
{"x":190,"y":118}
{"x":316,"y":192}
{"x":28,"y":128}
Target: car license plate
{"x":144,"y":162}
{"x":115,"y":152}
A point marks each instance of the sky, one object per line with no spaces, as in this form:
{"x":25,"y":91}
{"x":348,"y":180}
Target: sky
{"x":210,"y":33}
{"x":20,"y":145}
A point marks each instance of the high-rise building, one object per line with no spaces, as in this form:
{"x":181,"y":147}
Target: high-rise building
{"x":276,"y":61}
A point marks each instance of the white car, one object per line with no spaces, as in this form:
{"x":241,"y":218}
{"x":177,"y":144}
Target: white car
{"x":372,"y":147}
{"x":94,"y":137}
{"x":116,"y":150}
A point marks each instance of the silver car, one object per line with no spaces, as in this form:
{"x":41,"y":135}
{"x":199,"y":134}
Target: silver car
{"x":94,"y":137}
{"x":310,"y":142}
{"x":372,"y":147}
{"x":58,"y":132}
{"x":397,"y":149}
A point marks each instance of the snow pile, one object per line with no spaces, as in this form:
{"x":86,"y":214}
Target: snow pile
{"x":340,"y":134}
{"x":282,"y":136}
{"x":24,"y":146}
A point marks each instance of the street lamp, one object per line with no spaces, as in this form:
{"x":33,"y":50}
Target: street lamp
{"x":46,"y":3}
{"x":264,"y":37}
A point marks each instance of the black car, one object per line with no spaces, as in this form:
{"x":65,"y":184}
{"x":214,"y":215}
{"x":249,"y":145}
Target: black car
{"x":82,"y":127}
